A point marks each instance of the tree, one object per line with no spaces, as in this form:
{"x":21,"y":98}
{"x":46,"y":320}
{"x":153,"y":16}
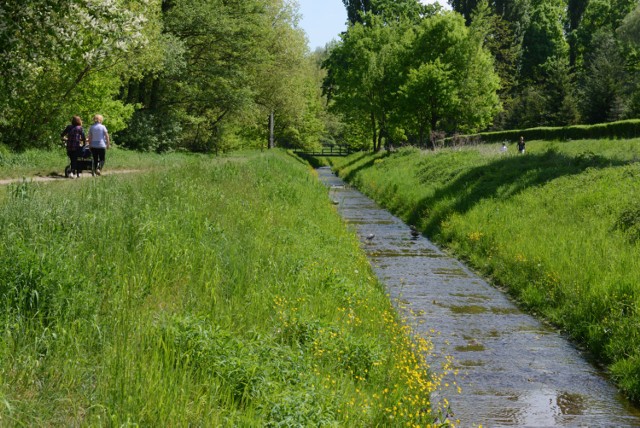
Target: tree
{"x":599,"y":16}
{"x":544,"y":36}
{"x":500,"y":38}
{"x":64,"y":57}
{"x":630,"y":27}
{"x":282,"y":76}
{"x":575,"y":10}
{"x":429,"y":96}
{"x":451,"y":58}
{"x":561,"y":102}
{"x":356,"y":8}
{"x":363,"y":74}
{"x":603,"y":81}
{"x":391,"y":9}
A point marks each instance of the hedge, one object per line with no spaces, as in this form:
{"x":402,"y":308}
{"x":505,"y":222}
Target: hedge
{"x":615,"y":130}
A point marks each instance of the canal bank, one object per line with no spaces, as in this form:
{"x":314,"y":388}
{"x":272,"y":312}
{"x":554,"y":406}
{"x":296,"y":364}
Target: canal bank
{"x":513,"y":370}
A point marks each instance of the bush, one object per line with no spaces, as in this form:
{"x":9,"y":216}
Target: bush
{"x":621,"y":130}
{"x":150,"y":132}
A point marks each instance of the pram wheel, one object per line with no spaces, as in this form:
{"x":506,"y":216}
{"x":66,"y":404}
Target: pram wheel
{"x":67,"y":171}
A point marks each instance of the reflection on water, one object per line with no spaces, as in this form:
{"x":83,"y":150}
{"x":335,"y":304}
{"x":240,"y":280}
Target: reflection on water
{"x":543,"y":408}
{"x":514,"y":371}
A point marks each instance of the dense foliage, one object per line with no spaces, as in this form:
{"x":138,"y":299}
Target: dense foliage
{"x":401,"y":73}
{"x":406,"y":73}
{"x":194,"y":74}
{"x":562,"y":62}
{"x":214,"y":75}
{"x":558,"y":227}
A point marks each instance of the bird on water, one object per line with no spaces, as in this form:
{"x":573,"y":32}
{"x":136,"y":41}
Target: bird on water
{"x":414,"y":231}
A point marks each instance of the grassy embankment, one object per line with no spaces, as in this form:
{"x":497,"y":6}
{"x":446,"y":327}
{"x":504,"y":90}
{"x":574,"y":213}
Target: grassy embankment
{"x":212,"y":293}
{"x":559,"y":227}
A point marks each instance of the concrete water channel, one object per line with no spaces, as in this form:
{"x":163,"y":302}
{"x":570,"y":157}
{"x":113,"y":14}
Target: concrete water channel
{"x":512,"y":369}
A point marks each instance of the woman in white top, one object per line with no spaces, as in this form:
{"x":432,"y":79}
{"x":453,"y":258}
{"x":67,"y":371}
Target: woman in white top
{"x":99,"y":142}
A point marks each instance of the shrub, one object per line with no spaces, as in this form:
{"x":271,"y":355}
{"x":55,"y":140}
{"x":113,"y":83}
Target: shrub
{"x":616,"y":130}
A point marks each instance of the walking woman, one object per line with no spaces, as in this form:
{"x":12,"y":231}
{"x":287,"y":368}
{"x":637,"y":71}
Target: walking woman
{"x":74,"y":135}
{"x":99,"y":142}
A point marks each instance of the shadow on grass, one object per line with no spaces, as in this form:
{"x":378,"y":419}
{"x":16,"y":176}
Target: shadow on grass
{"x":298,"y":158}
{"x":368,"y":164}
{"x":500,"y":180}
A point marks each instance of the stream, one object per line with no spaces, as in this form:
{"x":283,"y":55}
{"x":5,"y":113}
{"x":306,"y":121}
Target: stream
{"x":512,"y":369}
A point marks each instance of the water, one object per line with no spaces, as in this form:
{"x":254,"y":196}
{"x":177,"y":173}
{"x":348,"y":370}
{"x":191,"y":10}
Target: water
{"x":513,"y":370}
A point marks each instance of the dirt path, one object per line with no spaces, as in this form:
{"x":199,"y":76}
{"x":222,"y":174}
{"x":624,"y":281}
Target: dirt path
{"x":60,"y":177}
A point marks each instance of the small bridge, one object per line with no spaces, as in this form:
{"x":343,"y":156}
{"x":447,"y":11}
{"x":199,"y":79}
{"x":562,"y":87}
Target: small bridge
{"x":326,"y":151}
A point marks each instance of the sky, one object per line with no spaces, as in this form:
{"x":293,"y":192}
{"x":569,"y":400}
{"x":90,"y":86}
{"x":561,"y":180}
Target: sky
{"x":323,"y":20}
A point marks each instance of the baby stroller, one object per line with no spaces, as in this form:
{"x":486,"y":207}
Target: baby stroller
{"x":83,"y":163}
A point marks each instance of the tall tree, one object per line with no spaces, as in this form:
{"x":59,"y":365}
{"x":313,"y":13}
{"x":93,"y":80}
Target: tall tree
{"x":575,"y":10}
{"x":544,"y":36}
{"x":363,"y":72}
{"x":222,"y":50}
{"x":464,"y":7}
{"x":283,"y":75}
{"x":391,"y":9}
{"x":356,"y":9}
{"x":630,"y":27}
{"x":603,"y":81}
{"x":501,"y":39}
{"x":63,"y":57}
{"x":599,"y":16}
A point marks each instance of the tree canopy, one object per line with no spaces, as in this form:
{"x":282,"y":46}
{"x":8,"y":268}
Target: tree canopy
{"x":403,"y":79}
{"x":213,"y":75}
{"x":191,"y":74}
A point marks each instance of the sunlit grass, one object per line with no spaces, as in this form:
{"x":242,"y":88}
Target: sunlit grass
{"x":210,"y":292}
{"x":559,"y":227}
{"x":52,"y":162}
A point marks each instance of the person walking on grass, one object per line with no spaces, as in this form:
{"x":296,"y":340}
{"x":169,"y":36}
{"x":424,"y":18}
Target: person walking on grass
{"x":521,"y":145}
{"x":99,"y":142}
{"x":74,"y":136}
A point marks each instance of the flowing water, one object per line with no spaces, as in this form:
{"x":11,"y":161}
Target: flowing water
{"x":512,"y":369}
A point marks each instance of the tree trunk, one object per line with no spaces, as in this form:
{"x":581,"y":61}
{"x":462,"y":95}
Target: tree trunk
{"x":272,"y":122}
{"x":375,"y":131}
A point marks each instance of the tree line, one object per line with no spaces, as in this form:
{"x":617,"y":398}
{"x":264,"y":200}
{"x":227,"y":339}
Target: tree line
{"x":200,"y":75}
{"x":213,"y":75}
{"x":407,"y":73}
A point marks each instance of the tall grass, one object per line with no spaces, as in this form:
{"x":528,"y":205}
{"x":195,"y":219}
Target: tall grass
{"x":210,"y":293}
{"x":559,"y":227}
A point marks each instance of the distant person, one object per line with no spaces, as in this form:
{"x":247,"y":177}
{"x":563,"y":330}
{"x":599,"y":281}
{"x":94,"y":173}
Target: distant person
{"x":75,"y":139}
{"x":503,"y":149}
{"x":99,"y":142}
{"x":521,"y":145}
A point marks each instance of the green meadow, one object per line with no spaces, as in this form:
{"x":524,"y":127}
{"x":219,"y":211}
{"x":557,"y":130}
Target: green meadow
{"x":558,"y":227}
{"x":34,"y":162}
{"x":199,"y":292}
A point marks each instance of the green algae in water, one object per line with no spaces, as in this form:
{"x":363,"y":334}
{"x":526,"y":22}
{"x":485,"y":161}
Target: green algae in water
{"x":468,"y":309}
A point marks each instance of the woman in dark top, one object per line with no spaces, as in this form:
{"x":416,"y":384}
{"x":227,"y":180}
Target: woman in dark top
{"x":75,"y":138}
{"x":521,"y":145}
